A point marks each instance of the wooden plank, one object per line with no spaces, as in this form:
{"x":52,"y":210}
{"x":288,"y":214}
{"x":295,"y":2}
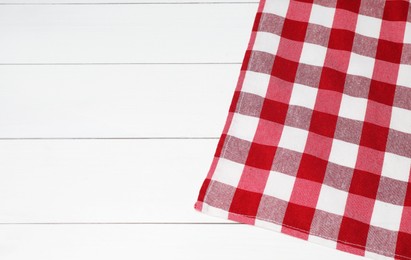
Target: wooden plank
{"x":115,"y":101}
{"x":102,"y":180}
{"x":178,"y":33}
{"x":200,"y":242}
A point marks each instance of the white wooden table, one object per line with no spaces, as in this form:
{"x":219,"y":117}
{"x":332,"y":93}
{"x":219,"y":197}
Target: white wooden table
{"x":110,"y":111}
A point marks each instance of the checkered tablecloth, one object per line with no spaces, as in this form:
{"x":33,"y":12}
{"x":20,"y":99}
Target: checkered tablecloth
{"x":317,"y":143}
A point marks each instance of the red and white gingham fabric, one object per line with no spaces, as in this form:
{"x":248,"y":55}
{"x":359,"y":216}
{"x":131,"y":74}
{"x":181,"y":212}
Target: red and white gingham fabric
{"x":317,"y":143}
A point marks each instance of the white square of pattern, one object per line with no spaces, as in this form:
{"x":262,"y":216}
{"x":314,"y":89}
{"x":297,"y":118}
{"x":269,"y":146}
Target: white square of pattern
{"x":344,"y":153}
{"x":243,"y":127}
{"x":322,"y":15}
{"x":368,"y":26}
{"x":228,"y":172}
{"x":266,"y":42}
{"x":332,"y":200}
{"x":279,"y":185}
{"x":293,"y":139}
{"x":278,"y":7}
{"x":404,"y":78}
{"x":313,"y":54}
{"x":256,"y":83}
{"x":396,"y":167}
{"x":353,"y":107}
{"x":361,"y":65}
{"x":401,"y":119}
{"x":386,"y":215}
{"x":303,"y":96}
{"x":407,"y":36}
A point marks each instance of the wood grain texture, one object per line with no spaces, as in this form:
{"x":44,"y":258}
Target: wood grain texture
{"x":178,"y":33}
{"x":115,"y":100}
{"x":179,"y":242}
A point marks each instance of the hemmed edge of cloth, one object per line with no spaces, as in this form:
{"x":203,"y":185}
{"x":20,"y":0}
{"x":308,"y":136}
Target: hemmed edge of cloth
{"x":292,"y":231}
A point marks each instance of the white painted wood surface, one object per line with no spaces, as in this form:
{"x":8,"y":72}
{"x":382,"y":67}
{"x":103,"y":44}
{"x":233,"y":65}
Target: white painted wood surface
{"x":176,"y":242}
{"x":109,"y":114}
{"x":115,"y":100}
{"x":125,"y":33}
{"x":75,"y":181}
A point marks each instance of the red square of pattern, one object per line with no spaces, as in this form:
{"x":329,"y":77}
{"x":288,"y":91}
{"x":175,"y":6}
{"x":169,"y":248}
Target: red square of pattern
{"x":257,"y":21}
{"x":353,"y":232}
{"x":365,"y":184}
{"x":294,"y":30}
{"x":298,"y":216}
{"x":245,"y":202}
{"x":374,"y":136}
{"x":312,"y":168}
{"x":403,"y":249}
{"x":382,"y":92}
{"x":323,"y":124}
{"x":341,"y":39}
{"x":332,"y":80}
{"x":351,"y":5}
{"x":284,"y":69}
{"x":220,"y":145}
{"x":396,"y":10}
{"x":203,"y":189}
{"x":234,"y":102}
{"x":274,"y":111}
{"x":261,"y":156}
{"x":389,"y":51}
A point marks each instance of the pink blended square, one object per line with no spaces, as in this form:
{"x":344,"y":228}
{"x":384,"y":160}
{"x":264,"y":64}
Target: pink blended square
{"x":279,"y":90}
{"x":318,"y":145}
{"x":299,"y":11}
{"x":289,"y":49}
{"x":294,"y":233}
{"x":378,"y":113}
{"x":337,"y":59}
{"x":344,"y":19}
{"x":359,"y":208}
{"x":328,"y":101}
{"x":268,"y":133}
{"x":385,"y":71}
{"x":390,"y":31}
{"x":350,"y":249}
{"x":305,"y":192}
{"x":241,"y":218}
{"x":253,"y":179}
{"x":369,"y":160}
{"x":406,"y":220}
